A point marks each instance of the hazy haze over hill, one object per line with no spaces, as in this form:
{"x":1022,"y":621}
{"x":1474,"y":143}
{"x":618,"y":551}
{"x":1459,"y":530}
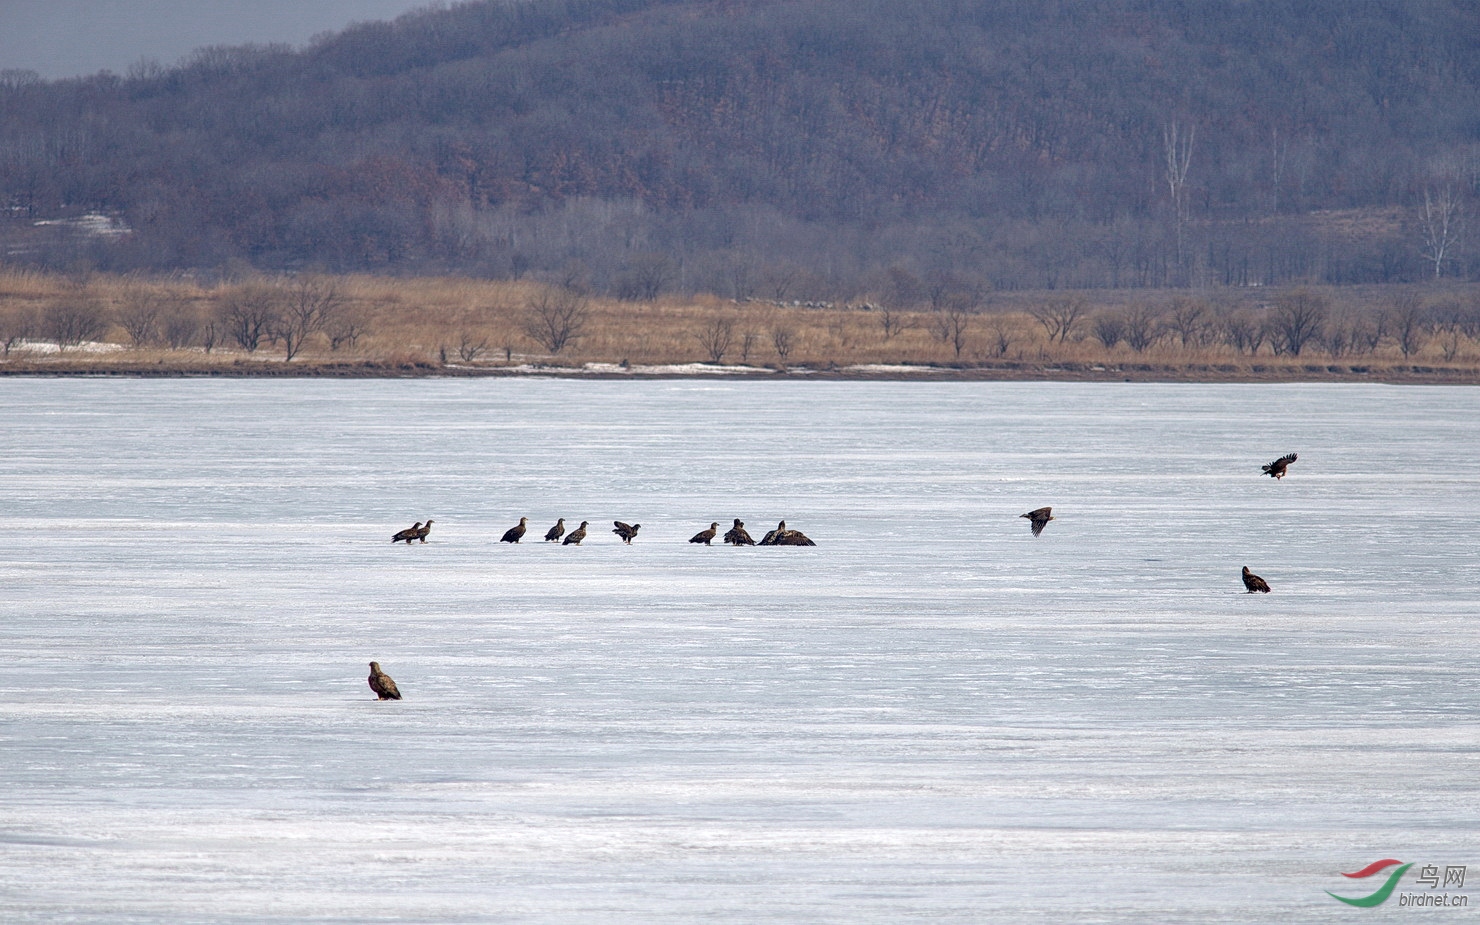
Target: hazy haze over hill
{"x":69,"y":38}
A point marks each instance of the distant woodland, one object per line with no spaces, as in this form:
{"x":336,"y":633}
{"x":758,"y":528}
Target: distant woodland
{"x":781,"y":149}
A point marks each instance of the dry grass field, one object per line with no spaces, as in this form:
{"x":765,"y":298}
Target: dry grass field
{"x":376,"y":326}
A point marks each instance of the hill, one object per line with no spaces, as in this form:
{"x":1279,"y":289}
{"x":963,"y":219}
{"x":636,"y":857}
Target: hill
{"x":780,"y":148}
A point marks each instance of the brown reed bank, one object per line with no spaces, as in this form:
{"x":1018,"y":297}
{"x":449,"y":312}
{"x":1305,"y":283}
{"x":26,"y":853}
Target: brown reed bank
{"x":365,"y":326}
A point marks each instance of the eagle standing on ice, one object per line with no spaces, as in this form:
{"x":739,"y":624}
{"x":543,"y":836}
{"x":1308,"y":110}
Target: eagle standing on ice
{"x":381,"y":683}
{"x":738,"y":536}
{"x":1254,"y":582}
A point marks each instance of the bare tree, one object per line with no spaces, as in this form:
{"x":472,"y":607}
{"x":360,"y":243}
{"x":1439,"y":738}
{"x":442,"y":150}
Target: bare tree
{"x":210,"y":334}
{"x":1109,"y":328}
{"x":345,"y":328}
{"x":748,"y":341}
{"x":16,"y":326}
{"x":1142,"y":328}
{"x":954,"y":321}
{"x":72,"y":320}
{"x":574,"y":276}
{"x":715,"y":337}
{"x":471,"y":346}
{"x":139,"y":313}
{"x":739,"y":272}
{"x":1177,"y":143}
{"x":893,"y":321}
{"x":1189,"y":318}
{"x":1297,"y":320}
{"x":782,"y":337}
{"x":1368,"y":332}
{"x":1448,"y":320}
{"x":1242,"y":332}
{"x":1003,"y":334}
{"x":1338,"y":340}
{"x":780,"y":279}
{"x":305,"y":308}
{"x":249,"y":312}
{"x":179,"y":324}
{"x":1441,"y":224}
{"x":557,"y":317}
{"x":1059,"y":317}
{"x":1408,"y":321}
{"x":644,"y":279}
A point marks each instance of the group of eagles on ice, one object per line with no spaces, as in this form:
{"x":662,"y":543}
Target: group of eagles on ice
{"x":385,"y":688}
{"x":737,"y":536}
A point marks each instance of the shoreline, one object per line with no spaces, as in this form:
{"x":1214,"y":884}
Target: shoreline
{"x":1407,"y":374}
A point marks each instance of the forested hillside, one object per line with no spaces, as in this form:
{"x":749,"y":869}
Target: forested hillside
{"x":782,"y":148}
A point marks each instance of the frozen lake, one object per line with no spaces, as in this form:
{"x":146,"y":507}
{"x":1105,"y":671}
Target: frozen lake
{"x":930,"y":716}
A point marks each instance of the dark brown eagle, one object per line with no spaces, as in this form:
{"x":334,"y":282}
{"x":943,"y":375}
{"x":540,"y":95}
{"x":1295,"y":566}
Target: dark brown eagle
{"x":381,"y":683}
{"x":1254,"y":582}
{"x":626,"y":531}
{"x":1040,"y":518}
{"x":515,"y":534}
{"x":737,"y":535}
{"x":575,"y":536}
{"x":422,"y":533}
{"x":555,"y":532}
{"x":1278,"y":467}
{"x":706,"y":536}
{"x":781,"y":536}
{"x":409,"y":534}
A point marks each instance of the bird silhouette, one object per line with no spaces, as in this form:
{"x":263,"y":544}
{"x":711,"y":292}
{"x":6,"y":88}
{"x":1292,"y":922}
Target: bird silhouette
{"x":381,"y":683}
{"x":1254,"y":582}
{"x":1278,"y":467}
{"x":574,"y":537}
{"x":515,"y":534}
{"x":706,"y":536}
{"x":555,"y":532}
{"x":626,"y":531}
{"x":1040,"y":518}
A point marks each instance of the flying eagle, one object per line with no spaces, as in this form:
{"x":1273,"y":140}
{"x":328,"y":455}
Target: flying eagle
{"x":515,"y":534}
{"x":555,"y":532}
{"x":781,"y":536}
{"x":1254,"y":582}
{"x":575,"y":536}
{"x":706,"y":536}
{"x":409,"y":534}
{"x":737,"y":535}
{"x":1277,"y":468}
{"x":381,"y":683}
{"x":626,"y":531}
{"x":1040,"y":518}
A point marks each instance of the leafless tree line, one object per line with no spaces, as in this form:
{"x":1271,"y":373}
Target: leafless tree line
{"x":286,"y":313}
{"x":1294,"y":324}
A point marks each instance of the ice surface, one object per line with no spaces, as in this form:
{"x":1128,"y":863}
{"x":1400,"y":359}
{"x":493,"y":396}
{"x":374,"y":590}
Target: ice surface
{"x":930,"y":716}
